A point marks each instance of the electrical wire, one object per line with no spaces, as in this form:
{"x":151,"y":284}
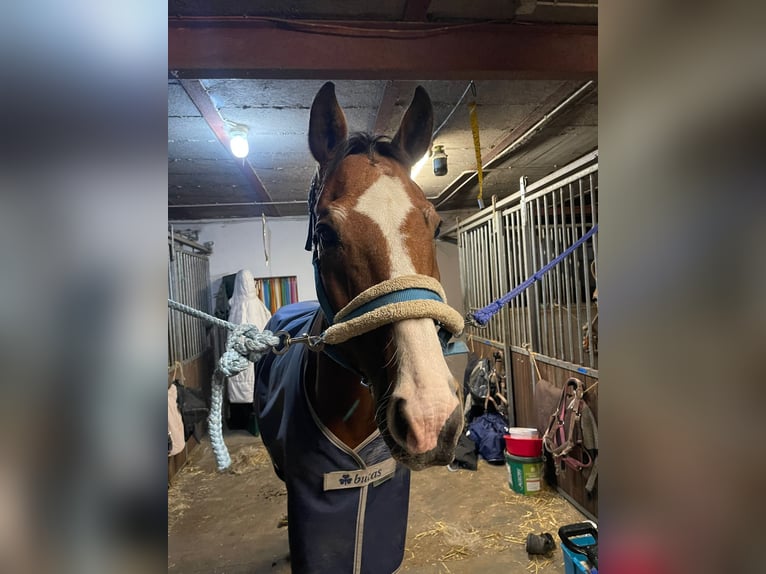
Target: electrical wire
{"x":416,"y":30}
{"x":437,"y":130}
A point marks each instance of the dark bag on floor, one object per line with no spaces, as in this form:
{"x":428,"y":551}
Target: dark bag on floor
{"x":465,"y":454}
{"x":487,"y":432}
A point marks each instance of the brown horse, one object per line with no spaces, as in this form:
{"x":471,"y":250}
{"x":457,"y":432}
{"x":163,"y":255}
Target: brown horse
{"x":373,"y":223}
{"x":380,"y":387}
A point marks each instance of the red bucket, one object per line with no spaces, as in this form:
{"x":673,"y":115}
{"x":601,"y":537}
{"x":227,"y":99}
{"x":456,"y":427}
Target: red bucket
{"x":528,"y":447}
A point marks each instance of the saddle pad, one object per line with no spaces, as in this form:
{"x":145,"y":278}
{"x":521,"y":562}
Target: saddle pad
{"x":360,"y":529}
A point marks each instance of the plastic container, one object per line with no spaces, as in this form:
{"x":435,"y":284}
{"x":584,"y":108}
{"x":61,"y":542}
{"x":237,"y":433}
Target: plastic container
{"x":579,"y":546}
{"x":525,"y":474}
{"x":523,"y":432}
{"x":528,"y":447}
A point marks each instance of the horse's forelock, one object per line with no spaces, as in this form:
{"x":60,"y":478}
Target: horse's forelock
{"x":362,"y":143}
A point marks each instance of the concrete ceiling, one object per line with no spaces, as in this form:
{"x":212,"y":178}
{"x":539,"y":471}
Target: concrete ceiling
{"x":210,"y":84}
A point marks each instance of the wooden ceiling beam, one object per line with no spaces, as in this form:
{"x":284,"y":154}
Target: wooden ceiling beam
{"x":201,"y":99}
{"x":416,"y":10}
{"x":300,"y":49}
{"x":393,"y":92}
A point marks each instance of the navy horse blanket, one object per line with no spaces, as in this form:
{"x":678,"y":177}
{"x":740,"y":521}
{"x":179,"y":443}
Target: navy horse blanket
{"x":347,"y":508}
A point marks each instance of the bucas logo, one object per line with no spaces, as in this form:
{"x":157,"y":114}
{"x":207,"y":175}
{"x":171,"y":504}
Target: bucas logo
{"x":365,"y":478}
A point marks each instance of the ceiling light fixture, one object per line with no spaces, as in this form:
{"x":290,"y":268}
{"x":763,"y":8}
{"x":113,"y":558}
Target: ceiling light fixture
{"x":238,"y":140}
{"x":440,"y":160}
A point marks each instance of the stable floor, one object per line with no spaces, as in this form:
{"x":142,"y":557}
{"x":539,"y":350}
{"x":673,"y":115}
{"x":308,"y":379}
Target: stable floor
{"x":459,"y":522}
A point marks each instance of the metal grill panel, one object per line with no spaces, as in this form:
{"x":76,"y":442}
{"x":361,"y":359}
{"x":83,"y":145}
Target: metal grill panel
{"x":506,"y":243}
{"x":188,"y":283}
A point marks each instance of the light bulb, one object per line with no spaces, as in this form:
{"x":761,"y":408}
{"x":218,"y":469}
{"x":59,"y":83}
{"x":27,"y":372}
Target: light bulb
{"x":238,"y":144}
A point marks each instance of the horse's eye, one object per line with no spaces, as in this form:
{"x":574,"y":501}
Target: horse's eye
{"x":326,"y":235}
{"x":438,"y":230}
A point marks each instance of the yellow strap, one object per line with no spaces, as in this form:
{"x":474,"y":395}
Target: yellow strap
{"x":477,"y":149}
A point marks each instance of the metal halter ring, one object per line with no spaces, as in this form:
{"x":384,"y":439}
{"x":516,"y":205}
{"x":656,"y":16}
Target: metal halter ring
{"x":313,"y":342}
{"x":470,"y":321}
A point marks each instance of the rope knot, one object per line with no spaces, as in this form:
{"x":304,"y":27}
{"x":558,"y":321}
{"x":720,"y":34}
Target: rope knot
{"x":245,"y":344}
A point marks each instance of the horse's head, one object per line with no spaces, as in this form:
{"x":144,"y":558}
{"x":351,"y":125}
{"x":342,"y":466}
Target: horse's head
{"x":372,"y":224}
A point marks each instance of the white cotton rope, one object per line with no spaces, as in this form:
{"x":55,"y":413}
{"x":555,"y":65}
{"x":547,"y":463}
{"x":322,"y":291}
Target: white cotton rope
{"x":244,"y":344}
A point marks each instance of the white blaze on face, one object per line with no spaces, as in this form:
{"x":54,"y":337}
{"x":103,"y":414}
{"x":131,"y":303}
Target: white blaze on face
{"x":387,"y":204}
{"x":425,"y":383}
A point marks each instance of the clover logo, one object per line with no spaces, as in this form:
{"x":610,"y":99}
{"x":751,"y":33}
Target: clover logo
{"x":345,"y":479}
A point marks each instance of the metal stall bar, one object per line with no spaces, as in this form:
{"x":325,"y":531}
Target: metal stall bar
{"x":558,"y":248}
{"x":483,"y":278}
{"x":202,"y":300}
{"x":549,"y":280}
{"x":203,"y":286}
{"x":179,"y":297}
{"x":462,"y":239}
{"x":193,"y":325}
{"x":533,"y":300}
{"x":514,"y":330}
{"x":567,"y":282}
{"x":200,"y":330}
{"x":494,"y":272}
{"x":471,"y":295}
{"x":527,"y":298}
{"x":488,"y":278}
{"x":501,"y":281}
{"x":576,"y":271}
{"x":184,"y":286}
{"x":514,"y":252}
{"x":488,"y":250}
{"x":471,"y":275}
{"x":461,"y":263}
{"x":477,"y":259}
{"x":543,"y":284}
{"x":172,"y":354}
{"x":495,"y":233}
{"x":484,"y":258}
{"x":586,"y":272}
{"x":594,"y":212}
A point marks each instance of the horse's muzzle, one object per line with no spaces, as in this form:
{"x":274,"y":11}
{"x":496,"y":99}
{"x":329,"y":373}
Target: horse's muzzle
{"x":418,"y":454}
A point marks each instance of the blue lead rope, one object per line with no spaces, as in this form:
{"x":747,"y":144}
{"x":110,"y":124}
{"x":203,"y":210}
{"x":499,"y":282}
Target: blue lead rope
{"x":482,"y":316}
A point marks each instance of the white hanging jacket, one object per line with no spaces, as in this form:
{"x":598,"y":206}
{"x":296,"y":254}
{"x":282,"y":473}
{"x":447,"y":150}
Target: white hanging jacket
{"x":245,"y":307}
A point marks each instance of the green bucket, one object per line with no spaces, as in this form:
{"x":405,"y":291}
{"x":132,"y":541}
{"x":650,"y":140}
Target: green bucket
{"x":525,"y":475}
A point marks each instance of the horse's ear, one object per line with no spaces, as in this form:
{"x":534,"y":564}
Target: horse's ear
{"x":414,"y":134}
{"x":327,"y":125}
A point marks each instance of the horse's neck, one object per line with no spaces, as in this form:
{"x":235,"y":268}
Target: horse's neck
{"x":339,"y":400}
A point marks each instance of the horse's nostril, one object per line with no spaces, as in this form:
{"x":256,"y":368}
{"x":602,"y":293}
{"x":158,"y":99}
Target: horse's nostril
{"x":398,"y":423}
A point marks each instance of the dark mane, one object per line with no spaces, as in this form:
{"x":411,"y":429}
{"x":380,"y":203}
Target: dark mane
{"x":359,"y":143}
